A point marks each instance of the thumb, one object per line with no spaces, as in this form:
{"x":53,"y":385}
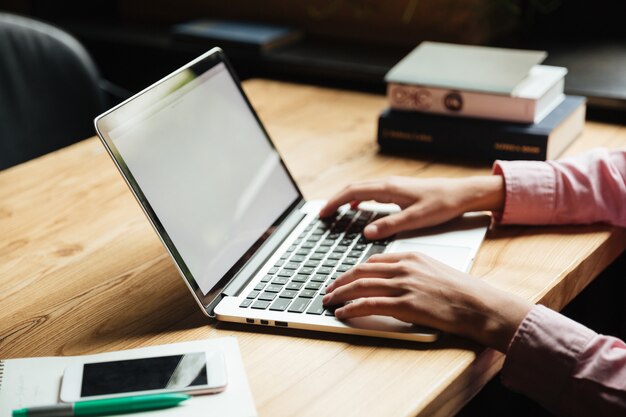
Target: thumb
{"x":388,"y":225}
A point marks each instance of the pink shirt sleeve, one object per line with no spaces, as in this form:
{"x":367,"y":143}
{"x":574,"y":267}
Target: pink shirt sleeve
{"x":561,"y":364}
{"x":588,"y":188}
{"x":566,"y":367}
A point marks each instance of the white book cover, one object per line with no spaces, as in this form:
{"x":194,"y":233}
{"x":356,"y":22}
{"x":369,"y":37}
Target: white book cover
{"x":465,"y":67}
{"x":32,"y":382}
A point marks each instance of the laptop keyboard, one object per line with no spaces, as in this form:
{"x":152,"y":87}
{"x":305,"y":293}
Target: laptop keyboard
{"x":323,"y":251}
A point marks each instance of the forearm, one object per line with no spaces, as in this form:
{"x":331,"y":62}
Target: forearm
{"x":566,"y":367}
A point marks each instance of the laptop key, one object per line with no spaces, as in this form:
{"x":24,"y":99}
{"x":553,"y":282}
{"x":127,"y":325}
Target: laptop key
{"x":288,"y":294}
{"x":299,"y":305}
{"x":274,"y":288}
{"x":319,"y":278}
{"x":280,"y":304}
{"x":267,"y":278}
{"x":253,"y":294}
{"x":287,"y":273}
{"x":374,"y":250}
{"x":292,"y":265}
{"x":316,"y":307}
{"x":317,"y":256}
{"x":272,"y":271}
{"x":259,"y":287}
{"x":280,"y":280}
{"x":245,"y":303}
{"x":324,"y":270}
{"x":267,"y":296}
{"x":343,"y":268}
{"x":260,"y":304}
{"x":308,"y":293}
{"x":306,"y":271}
{"x":294,"y":286}
{"x":300,"y":278}
{"x":313,"y":286}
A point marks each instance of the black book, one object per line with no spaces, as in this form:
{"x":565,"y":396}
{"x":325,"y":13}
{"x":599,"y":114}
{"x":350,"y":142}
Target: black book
{"x":481,"y":139}
{"x":235,"y":34}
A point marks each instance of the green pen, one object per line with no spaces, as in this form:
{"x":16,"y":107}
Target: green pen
{"x":102,"y":407}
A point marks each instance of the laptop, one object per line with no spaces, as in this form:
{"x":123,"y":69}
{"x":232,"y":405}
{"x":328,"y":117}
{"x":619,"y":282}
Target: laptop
{"x":249,"y":247}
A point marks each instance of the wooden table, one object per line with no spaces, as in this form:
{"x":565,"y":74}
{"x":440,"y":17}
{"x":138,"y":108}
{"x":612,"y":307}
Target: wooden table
{"x":81,"y":270}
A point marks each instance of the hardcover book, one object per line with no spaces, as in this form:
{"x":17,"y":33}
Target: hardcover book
{"x":479,"y":139}
{"x":464,"y":67}
{"x":536,"y":96}
{"x":260,"y":37}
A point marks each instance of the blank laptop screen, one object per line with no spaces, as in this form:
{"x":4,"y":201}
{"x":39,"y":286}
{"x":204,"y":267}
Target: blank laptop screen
{"x":206,"y":168}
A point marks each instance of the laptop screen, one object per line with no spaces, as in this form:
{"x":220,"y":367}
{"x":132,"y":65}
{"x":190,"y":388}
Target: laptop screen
{"x":205,"y":166}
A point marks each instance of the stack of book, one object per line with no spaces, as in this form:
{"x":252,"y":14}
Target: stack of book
{"x":479,"y":102}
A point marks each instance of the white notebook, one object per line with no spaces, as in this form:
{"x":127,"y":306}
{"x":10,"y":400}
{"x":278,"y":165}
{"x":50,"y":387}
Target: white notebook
{"x":37,"y":381}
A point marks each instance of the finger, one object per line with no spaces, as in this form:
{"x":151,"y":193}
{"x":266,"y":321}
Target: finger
{"x":364,"y":287}
{"x":371,"y":190}
{"x":389,"y":258}
{"x":364,"y":270}
{"x":383,"y":306}
{"x":389,"y":225}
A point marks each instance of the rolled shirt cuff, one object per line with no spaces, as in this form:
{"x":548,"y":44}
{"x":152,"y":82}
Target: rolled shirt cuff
{"x":530,"y":195}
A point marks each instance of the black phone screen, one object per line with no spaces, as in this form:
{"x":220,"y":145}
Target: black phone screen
{"x":163,"y":372}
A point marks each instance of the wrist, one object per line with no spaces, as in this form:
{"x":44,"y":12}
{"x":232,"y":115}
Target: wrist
{"x":484,"y":193}
{"x":501,"y":315}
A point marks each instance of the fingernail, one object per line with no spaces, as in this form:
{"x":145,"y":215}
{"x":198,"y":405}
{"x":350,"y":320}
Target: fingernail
{"x":326,"y":298}
{"x":330,"y":288}
{"x":371,"y":229}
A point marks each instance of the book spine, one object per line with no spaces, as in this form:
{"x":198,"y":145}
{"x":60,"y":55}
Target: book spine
{"x":461,"y":103}
{"x":440,"y":137}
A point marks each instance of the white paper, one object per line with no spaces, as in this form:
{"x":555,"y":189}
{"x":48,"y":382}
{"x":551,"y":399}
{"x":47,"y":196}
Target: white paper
{"x":33,"y":382}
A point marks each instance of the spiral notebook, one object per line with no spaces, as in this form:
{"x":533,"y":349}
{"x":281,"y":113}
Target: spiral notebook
{"x":33,"y":382}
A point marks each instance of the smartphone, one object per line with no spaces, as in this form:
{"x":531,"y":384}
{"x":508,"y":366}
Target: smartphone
{"x":190,"y":373}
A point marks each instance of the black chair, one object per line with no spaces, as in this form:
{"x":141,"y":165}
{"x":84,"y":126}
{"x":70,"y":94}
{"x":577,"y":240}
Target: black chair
{"x":49,"y":90}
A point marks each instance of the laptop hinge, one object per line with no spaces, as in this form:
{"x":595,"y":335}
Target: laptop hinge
{"x":243,"y":277}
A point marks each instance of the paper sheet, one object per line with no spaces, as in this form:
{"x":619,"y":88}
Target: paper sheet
{"x":37,"y":381}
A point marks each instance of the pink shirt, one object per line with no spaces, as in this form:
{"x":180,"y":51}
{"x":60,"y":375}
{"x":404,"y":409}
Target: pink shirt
{"x":563,"y":365}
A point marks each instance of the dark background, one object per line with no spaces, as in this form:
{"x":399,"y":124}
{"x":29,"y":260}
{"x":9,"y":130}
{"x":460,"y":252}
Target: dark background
{"x":346,"y":43}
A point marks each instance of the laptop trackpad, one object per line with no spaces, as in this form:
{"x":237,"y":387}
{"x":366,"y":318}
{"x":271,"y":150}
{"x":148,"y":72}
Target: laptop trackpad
{"x":457,"y":257}
{"x":386,"y":324}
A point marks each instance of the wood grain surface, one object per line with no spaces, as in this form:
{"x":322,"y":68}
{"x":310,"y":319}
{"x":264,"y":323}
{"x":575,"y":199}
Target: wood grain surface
{"x":82,"y":271}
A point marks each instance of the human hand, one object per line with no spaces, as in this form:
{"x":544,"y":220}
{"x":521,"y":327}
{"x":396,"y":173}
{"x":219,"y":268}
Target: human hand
{"x":424,"y":202}
{"x":417,"y":289}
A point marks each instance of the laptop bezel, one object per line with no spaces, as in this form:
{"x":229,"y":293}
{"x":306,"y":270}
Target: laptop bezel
{"x":199,"y":66}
